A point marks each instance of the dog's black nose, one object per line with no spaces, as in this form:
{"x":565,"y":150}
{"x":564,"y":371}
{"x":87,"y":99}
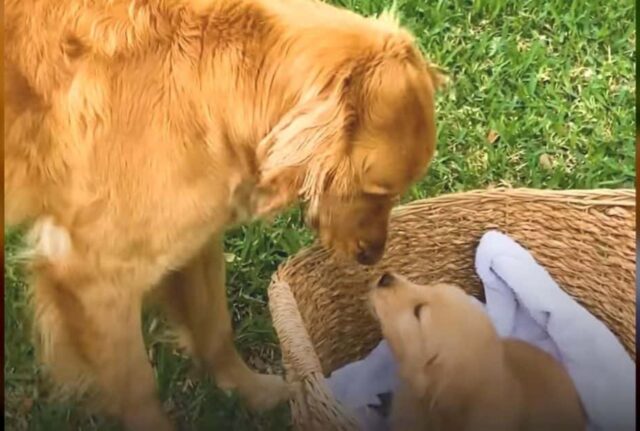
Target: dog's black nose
{"x":386,"y":280}
{"x":370,"y":254}
{"x":366,"y":257}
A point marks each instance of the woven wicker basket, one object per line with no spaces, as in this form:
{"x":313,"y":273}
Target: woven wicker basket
{"x":585,"y":239}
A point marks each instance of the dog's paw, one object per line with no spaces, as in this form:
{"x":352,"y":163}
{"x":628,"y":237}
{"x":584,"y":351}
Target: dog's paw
{"x":269,"y":391}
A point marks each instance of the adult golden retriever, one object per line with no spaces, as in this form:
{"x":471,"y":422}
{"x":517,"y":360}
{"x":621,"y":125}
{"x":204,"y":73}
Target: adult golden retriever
{"x":136,"y":132}
{"x":459,"y":375}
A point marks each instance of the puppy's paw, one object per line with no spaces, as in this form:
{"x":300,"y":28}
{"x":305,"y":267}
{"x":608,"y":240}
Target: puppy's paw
{"x":267,"y":392}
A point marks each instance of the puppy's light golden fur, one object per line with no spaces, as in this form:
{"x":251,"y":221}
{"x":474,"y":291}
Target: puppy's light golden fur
{"x":136,"y":132}
{"x":459,"y":375}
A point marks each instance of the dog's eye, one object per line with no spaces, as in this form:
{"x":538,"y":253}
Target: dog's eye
{"x":417,"y":309}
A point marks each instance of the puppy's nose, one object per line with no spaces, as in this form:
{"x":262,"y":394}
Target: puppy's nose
{"x":386,"y":280}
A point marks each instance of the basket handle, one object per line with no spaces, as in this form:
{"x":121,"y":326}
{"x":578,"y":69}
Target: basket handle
{"x":302,"y":365}
{"x":294,"y":338}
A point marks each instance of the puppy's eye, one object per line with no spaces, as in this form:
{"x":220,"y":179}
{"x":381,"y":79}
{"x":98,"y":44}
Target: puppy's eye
{"x":417,"y":309}
{"x":432,"y":360}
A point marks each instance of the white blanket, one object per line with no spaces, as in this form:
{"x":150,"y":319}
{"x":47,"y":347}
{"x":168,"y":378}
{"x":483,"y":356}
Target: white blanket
{"x":523,"y":302}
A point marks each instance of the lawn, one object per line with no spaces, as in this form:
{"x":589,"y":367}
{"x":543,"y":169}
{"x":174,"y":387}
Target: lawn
{"x":542,"y":95}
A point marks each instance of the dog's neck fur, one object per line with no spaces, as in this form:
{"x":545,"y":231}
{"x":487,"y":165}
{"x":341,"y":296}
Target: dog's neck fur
{"x":286,"y":83}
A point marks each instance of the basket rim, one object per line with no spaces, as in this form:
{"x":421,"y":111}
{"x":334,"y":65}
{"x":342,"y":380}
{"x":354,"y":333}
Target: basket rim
{"x":588,"y":197}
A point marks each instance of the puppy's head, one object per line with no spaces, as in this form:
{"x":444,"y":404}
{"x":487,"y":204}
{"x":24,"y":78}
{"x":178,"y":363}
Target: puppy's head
{"x":435,"y":331}
{"x":357,"y":140}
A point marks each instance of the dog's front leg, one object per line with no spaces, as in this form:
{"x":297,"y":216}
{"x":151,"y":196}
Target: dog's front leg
{"x":196,"y":299}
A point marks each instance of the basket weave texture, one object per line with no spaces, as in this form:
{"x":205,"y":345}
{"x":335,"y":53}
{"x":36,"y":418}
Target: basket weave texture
{"x":585,"y":239}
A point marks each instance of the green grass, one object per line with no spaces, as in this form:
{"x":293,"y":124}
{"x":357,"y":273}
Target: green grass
{"x":551,"y":82}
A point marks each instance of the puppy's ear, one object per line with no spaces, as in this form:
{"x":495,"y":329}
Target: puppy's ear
{"x":297,"y":156}
{"x":423,"y":354}
{"x":415,"y":374}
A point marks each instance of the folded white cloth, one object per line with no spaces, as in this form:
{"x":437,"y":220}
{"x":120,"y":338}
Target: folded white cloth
{"x":523,"y":302}
{"x":360,"y":386}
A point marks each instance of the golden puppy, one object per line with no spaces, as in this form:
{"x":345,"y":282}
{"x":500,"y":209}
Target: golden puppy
{"x":458,"y":374}
{"x":137,"y":132}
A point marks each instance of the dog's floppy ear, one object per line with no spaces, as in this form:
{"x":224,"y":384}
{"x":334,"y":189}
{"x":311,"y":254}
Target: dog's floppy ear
{"x":296,"y":156}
